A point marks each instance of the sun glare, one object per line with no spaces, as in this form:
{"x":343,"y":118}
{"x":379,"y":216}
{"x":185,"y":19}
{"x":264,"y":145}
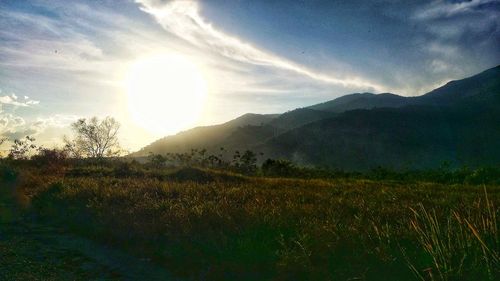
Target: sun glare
{"x":165,"y":93}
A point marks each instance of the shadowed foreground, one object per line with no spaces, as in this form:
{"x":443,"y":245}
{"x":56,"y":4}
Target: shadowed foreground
{"x":222,"y":226}
{"x":32,"y":250}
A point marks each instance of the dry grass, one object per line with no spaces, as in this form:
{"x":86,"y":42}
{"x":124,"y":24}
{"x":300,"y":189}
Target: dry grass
{"x":284,"y":229}
{"x":462,"y":242}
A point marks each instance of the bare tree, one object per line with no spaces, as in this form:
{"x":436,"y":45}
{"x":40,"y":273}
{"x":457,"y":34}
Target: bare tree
{"x":94,"y":138}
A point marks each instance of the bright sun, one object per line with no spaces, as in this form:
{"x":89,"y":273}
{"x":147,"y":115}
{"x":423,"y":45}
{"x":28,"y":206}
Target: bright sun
{"x":166,"y":93}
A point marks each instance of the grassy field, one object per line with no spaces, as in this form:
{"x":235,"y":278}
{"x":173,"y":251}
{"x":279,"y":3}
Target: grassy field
{"x":207,"y":225}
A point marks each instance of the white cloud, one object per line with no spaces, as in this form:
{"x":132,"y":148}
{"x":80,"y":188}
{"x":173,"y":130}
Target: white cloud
{"x":13,"y":126}
{"x":13,"y":100}
{"x":48,"y":132}
{"x":10,"y":124}
{"x":56,"y":120}
{"x":182,"y":18}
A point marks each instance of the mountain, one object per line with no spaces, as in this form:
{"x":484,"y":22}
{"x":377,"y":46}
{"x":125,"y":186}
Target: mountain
{"x":457,"y":123}
{"x":362,"y":101}
{"x":453,"y":91}
{"x":412,"y":137}
{"x":298,"y":117}
{"x":480,"y":85}
{"x":204,"y":136}
{"x":244,"y":132}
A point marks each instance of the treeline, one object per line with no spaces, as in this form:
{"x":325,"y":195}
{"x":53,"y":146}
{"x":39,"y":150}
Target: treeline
{"x":24,"y":154}
{"x":95,"y":150}
{"x":246,"y":163}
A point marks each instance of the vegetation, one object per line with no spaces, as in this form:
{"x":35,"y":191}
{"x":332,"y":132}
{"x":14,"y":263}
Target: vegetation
{"x":204,"y":223}
{"x":21,"y":149}
{"x":94,"y":138}
{"x":205,"y":216}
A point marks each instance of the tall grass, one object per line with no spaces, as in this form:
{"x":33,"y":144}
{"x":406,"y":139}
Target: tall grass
{"x":461,"y":242}
{"x":242,"y":228}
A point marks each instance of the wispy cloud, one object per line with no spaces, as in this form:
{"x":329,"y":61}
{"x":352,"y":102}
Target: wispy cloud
{"x":183,"y":19}
{"x":443,"y":9}
{"x":467,"y":32}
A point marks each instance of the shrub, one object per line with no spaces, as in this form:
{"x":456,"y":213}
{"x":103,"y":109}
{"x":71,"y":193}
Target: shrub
{"x":279,"y":168}
{"x":7,"y":173}
{"x":157,"y":161}
{"x":245,"y":163}
{"x":484,"y":175}
{"x":22,"y":148}
{"x":51,"y":160}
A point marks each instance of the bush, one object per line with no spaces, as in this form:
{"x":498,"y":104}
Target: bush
{"x":125,"y":169}
{"x":51,"y":160}
{"x":157,"y":161}
{"x":279,"y":168}
{"x":484,"y":175}
{"x":7,"y":173}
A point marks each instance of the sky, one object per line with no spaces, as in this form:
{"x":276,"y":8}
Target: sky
{"x":64,"y":60}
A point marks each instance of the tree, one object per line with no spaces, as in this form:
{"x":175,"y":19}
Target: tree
{"x":21,"y":149}
{"x":94,"y":138}
{"x":246,"y":162}
{"x":280,"y":168}
{"x":157,"y":160}
{"x":2,"y":140}
{"x":249,"y":162}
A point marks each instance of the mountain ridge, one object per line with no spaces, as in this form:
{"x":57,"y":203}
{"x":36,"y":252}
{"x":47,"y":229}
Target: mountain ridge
{"x":271,"y":133}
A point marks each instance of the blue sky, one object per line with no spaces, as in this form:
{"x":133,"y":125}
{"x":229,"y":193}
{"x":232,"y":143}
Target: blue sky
{"x":63,"y":60}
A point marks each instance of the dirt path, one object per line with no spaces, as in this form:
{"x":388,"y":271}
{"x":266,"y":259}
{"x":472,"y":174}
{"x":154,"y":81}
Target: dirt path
{"x":30,"y":250}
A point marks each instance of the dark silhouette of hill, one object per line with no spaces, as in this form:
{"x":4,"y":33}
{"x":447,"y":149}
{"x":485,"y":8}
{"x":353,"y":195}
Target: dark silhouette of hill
{"x":413,"y":137}
{"x":478,"y":86}
{"x":458,"y":123}
{"x":244,"y":132}
{"x":362,"y":101}
{"x":209,"y":137}
{"x":452,"y":92}
{"x":298,"y":117}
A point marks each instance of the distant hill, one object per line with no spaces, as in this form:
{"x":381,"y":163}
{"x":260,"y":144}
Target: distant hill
{"x":362,"y":101}
{"x":209,"y":137}
{"x":298,"y":117}
{"x":478,"y":86}
{"x":458,"y":123}
{"x":452,"y":92}
{"x":412,"y":137}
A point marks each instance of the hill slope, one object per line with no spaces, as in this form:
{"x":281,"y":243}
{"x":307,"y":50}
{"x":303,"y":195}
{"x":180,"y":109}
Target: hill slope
{"x":478,"y":86}
{"x":458,"y":123}
{"x":203,"y":137}
{"x":413,"y":137}
{"x":362,"y":101}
